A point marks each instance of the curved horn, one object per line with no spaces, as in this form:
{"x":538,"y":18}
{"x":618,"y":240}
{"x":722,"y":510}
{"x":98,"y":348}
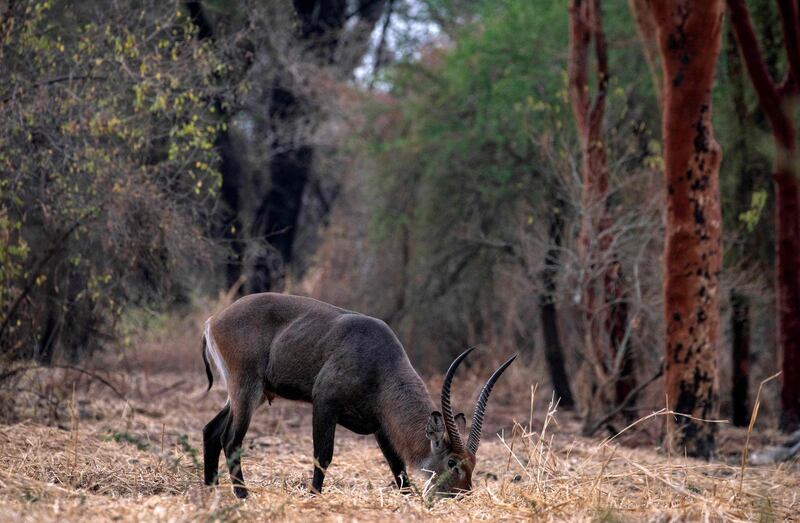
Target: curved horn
{"x":480,"y":407}
{"x":447,"y":410}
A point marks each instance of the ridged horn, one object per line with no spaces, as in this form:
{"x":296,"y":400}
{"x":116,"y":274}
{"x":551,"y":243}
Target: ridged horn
{"x":447,"y":411}
{"x":480,"y":407}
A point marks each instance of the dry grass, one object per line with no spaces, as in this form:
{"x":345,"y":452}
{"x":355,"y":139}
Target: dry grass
{"x":107,"y":459}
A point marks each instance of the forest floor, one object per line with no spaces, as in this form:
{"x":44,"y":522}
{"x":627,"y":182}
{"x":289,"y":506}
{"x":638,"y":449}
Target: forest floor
{"x":84,"y":452}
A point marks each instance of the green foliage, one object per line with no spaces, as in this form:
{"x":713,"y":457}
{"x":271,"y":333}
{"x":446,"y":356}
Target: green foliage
{"x":482,"y":139}
{"x":461,"y":163}
{"x":752,"y":215}
{"x":472,"y":117}
{"x":108,"y":166}
{"x":744,"y":134}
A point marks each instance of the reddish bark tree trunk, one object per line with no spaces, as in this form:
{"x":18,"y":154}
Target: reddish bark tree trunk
{"x":775,"y":101}
{"x":689,"y":40}
{"x":584,"y":26}
{"x":603,"y":300}
{"x":646,"y":30}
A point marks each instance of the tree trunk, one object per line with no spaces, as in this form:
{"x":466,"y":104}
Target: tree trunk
{"x":788,"y":289}
{"x":617,"y":328}
{"x":261,"y":224}
{"x":775,"y":101}
{"x":689,"y":40}
{"x":740,"y":330}
{"x":230,"y":168}
{"x":603,"y":301}
{"x":553,"y":351}
{"x":744,"y":248}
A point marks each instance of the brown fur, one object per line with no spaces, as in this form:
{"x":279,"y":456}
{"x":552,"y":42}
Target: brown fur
{"x":351,"y":367}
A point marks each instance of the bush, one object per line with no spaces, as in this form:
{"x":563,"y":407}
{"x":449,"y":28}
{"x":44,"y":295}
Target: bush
{"x":108,"y":168}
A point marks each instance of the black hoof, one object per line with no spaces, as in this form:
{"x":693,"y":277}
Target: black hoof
{"x":240,"y":492}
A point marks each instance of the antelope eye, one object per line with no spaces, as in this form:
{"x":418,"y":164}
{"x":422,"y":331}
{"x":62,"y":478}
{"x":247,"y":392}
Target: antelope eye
{"x":451,"y":463}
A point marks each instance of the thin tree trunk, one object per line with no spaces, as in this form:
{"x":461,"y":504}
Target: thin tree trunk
{"x":605,"y":309}
{"x":553,"y":351}
{"x":617,"y":328}
{"x":775,"y":100}
{"x":740,"y":330}
{"x":689,"y":39}
{"x":585,"y":26}
{"x":788,"y":276}
{"x":230,"y":167}
{"x":740,"y":303}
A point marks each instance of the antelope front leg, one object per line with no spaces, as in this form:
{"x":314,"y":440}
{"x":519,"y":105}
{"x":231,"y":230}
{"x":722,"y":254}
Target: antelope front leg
{"x":394,"y":461}
{"x":324,"y":430}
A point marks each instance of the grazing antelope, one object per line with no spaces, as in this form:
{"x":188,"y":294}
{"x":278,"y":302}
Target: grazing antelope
{"x":355,"y":373}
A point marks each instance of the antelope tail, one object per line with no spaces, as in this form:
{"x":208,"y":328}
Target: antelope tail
{"x":209,"y":375}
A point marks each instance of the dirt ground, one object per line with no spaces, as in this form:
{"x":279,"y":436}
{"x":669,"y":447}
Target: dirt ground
{"x":76,"y":450}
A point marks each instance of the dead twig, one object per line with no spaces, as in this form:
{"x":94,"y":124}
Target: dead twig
{"x":753,"y":417}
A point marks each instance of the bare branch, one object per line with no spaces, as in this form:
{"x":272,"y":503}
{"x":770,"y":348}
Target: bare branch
{"x":766,"y":89}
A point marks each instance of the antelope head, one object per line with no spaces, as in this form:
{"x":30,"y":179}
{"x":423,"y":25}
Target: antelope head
{"x":451,"y":460}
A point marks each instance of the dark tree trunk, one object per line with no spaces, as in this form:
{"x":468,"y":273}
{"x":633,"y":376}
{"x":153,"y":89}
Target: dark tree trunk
{"x":230,"y":168}
{"x":48,"y":338}
{"x":740,"y":331}
{"x":740,"y":303}
{"x":553,"y":351}
{"x":281,"y":206}
{"x":620,"y":339}
{"x":788,"y":247}
{"x":232,"y":228}
{"x":333,"y":34}
{"x":689,"y":40}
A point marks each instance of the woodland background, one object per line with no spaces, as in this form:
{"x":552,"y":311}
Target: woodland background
{"x":421,"y":161}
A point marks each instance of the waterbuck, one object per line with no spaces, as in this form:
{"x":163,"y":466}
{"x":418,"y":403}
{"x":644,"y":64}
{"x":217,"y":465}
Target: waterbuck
{"x":354,"y":372}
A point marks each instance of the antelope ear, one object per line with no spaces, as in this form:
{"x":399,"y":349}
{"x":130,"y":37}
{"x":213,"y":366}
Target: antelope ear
{"x":435,"y":428}
{"x":461,"y":423}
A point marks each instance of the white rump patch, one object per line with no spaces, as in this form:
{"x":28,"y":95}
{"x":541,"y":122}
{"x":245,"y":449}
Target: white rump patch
{"x":211,"y":348}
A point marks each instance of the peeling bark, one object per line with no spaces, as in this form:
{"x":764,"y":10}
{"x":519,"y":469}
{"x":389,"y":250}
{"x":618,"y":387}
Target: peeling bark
{"x":689,"y":40}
